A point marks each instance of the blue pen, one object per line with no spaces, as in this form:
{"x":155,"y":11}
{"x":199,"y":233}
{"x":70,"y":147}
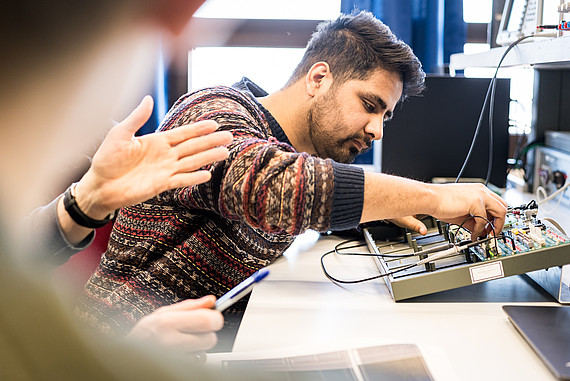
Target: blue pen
{"x":240,"y":290}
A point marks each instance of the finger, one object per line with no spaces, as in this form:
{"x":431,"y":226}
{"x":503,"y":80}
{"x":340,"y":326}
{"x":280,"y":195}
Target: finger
{"x":196,"y":320}
{"x":194,"y":342}
{"x":420,"y":227}
{"x":478,"y":228}
{"x":490,"y":230}
{"x":414,"y":224}
{"x":202,"y":143}
{"x":136,"y":119}
{"x":189,"y":131}
{"x":500,"y":199}
{"x":194,"y":162}
{"x":498,"y":224}
{"x":187,"y":342}
{"x":207,"y":301}
{"x":497,"y":214}
{"x":181,"y":180}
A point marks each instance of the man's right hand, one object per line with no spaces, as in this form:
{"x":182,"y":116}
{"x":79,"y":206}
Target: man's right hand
{"x":397,"y":199}
{"x":471,"y":205}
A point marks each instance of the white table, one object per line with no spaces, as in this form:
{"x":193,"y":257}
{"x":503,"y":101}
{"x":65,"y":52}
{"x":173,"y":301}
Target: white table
{"x":463,"y":333}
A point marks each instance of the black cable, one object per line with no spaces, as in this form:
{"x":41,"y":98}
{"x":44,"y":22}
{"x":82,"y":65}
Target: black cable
{"x":433,"y":249}
{"x":468,"y":244}
{"x":486,"y":239}
{"x":337,"y":251}
{"x":490,"y":90}
{"x":532,"y":204}
{"x":337,"y":246}
{"x":358,"y":280}
{"x":519,"y":142}
{"x":329,"y":276}
{"x":491,"y":109}
{"x":476,"y":133}
{"x":523,"y":151}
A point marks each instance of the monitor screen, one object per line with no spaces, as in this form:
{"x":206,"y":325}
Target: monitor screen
{"x":430,"y":135}
{"x":515,"y":15}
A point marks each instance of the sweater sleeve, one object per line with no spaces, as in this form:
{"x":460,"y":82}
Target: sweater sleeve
{"x":266,"y":183}
{"x":348,"y":196}
{"x":45,"y":239}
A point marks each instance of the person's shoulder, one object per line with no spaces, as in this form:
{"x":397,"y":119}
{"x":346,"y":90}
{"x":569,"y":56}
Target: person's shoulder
{"x":214,"y":93}
{"x":216,"y":102}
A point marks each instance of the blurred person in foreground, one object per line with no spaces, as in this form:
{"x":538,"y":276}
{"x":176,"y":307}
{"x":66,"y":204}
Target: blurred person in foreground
{"x":67,"y":68}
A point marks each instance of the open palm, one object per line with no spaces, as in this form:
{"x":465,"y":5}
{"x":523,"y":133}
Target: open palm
{"x":127,"y":169}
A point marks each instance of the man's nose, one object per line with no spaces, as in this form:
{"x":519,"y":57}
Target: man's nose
{"x":375,"y":128}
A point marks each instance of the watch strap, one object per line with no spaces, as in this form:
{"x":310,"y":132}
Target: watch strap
{"x":77,"y":215}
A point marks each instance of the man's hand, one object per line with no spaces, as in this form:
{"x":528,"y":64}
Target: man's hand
{"x":471,"y":205}
{"x":397,"y":199}
{"x":127,"y":170}
{"x":188,"y":326}
{"x":410,"y":222}
{"x":468,"y":204}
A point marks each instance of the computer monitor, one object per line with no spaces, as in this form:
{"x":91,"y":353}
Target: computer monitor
{"x":521,"y":17}
{"x":430,"y":135}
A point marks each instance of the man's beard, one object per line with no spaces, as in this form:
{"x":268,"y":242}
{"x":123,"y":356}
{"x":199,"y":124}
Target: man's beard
{"x":327,"y":146}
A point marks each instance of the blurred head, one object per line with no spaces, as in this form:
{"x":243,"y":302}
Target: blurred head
{"x":68,"y":68}
{"x":41,"y":35}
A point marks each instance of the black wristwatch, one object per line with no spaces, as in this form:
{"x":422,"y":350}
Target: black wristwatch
{"x":77,"y":215}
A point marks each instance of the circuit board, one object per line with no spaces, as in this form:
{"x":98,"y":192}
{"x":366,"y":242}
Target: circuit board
{"x":525,"y":245}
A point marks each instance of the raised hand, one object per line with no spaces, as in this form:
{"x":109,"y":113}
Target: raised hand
{"x":127,"y":170}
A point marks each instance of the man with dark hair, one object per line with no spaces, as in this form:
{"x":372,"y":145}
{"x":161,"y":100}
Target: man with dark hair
{"x":286,"y":172}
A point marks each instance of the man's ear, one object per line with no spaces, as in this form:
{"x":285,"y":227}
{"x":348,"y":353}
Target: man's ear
{"x":318,"y":78}
{"x":173,"y":15}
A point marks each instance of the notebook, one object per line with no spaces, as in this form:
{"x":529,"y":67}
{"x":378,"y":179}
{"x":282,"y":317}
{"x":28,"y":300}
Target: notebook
{"x":547,"y":330}
{"x":384,"y":362}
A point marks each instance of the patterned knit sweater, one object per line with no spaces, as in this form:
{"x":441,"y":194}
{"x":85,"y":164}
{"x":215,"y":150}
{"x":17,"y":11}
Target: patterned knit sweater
{"x":207,"y":238}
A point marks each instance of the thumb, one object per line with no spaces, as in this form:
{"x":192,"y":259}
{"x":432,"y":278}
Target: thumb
{"x":137,"y":118}
{"x":412,"y":223}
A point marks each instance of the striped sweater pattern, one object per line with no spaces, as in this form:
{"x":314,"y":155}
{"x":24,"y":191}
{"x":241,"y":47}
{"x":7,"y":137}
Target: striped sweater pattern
{"x":205,"y":239}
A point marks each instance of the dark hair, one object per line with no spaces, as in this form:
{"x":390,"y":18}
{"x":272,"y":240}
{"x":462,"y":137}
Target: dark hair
{"x":356,"y":44}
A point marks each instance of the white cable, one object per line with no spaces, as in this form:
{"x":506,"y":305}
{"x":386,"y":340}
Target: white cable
{"x":548,"y":198}
{"x":555,"y":224}
{"x":442,"y":254}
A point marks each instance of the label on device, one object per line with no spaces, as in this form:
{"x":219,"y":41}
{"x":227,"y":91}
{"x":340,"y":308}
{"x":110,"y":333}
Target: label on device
{"x":486,"y":272}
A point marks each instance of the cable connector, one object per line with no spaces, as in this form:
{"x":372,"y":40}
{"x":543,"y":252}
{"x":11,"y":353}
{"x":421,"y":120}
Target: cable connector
{"x":439,"y":255}
{"x":564,"y":25}
{"x":536,"y":234}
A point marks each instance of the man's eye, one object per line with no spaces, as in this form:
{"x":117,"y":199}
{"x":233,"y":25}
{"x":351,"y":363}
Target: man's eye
{"x":369,"y":106}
